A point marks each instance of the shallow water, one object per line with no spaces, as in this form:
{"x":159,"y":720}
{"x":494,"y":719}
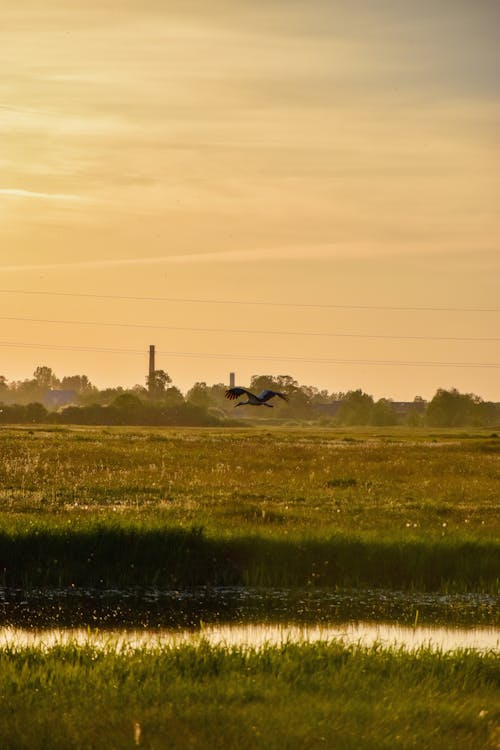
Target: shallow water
{"x":257,"y":635}
{"x":249,"y":617}
{"x":155,"y":608}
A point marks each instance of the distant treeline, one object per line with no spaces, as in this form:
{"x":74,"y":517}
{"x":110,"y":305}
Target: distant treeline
{"x":46,"y":399}
{"x":114,"y":414}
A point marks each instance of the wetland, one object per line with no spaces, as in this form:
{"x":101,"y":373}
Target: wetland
{"x":184,"y":579}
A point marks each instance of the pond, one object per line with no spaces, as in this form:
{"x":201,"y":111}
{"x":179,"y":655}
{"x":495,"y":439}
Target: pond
{"x":155,"y":608}
{"x":247,"y":617}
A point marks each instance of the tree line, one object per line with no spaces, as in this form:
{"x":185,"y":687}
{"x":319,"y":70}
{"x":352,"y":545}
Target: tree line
{"x":73,"y":399}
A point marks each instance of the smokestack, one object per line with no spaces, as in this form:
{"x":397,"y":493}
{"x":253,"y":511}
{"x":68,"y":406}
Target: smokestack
{"x":151,"y":368}
{"x":232,"y":380}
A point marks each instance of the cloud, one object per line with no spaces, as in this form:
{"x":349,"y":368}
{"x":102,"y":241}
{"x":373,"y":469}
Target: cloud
{"x":284,"y":253}
{"x":33,"y":194}
{"x":210,"y":257}
{"x":237,"y":256}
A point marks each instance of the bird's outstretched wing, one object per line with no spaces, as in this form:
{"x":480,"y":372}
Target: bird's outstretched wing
{"x":267,"y":394}
{"x":233,"y":393}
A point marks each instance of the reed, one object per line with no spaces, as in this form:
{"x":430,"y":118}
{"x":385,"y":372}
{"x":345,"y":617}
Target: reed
{"x":125,"y":554}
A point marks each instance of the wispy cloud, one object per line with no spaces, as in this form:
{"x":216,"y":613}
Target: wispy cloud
{"x":236,"y":256}
{"x":213,"y":257}
{"x":312,"y":252}
{"x":36,"y":195}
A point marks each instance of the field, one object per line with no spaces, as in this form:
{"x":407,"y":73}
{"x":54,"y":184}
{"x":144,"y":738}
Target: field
{"x":294,"y":696}
{"x":304,"y":509}
{"x":116,"y":507}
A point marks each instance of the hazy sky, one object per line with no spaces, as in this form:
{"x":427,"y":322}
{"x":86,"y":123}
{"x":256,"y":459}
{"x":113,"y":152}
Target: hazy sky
{"x":338,"y":159}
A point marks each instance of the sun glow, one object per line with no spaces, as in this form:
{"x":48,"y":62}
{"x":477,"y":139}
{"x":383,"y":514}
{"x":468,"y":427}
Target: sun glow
{"x":310,"y":153}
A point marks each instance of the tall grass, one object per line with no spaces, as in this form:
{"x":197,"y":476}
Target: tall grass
{"x":261,"y":507}
{"x":129,"y":554}
{"x":291,"y":696}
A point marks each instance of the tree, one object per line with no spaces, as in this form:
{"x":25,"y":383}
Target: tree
{"x":35,"y":412}
{"x":128,"y":402}
{"x":283,"y":383}
{"x":158,"y":382}
{"x":4,"y":388}
{"x":173,"y":397}
{"x":199,"y":395}
{"x":45,"y":378}
{"x":356,"y":408}
{"x":217,"y":394}
{"x":78,"y":383}
{"x":106,"y":396}
{"x":383,"y":413}
{"x":23,"y":392}
{"x":454,"y":409}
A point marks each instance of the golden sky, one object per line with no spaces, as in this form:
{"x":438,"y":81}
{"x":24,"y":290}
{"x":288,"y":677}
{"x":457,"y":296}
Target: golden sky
{"x":337,"y":159}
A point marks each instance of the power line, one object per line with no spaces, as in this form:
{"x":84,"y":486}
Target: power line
{"x":250,"y":331}
{"x":253,"y":358}
{"x":260,"y":303}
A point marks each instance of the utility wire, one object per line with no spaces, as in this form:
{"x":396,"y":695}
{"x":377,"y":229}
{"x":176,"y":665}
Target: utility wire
{"x":250,"y":331}
{"x":260,"y":303}
{"x":257,"y":357}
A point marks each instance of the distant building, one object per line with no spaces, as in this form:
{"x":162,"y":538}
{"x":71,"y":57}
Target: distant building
{"x":328,"y":410}
{"x":55,"y":399}
{"x":400,"y":408}
{"x":403,"y":408}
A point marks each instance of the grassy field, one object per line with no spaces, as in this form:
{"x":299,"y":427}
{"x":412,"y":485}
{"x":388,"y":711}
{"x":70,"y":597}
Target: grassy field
{"x":394,"y":508}
{"x":265,"y":506}
{"x":293,"y":696}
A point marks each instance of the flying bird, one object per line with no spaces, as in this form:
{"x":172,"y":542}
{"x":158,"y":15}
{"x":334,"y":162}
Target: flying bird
{"x":253,"y":400}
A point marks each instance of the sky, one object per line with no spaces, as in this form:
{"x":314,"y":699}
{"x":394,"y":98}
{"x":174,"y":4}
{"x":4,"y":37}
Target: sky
{"x":257,"y":186}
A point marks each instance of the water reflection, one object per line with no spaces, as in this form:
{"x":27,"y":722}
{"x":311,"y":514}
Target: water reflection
{"x":156,"y":609}
{"x":259,"y":635}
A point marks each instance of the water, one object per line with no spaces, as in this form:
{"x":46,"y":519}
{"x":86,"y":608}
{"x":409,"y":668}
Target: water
{"x":258,"y":635}
{"x":155,"y":609}
{"x":249,"y":617}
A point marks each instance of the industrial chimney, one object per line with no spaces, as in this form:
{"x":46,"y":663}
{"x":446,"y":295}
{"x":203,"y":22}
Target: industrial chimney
{"x":151,"y":379}
{"x":232,"y":380}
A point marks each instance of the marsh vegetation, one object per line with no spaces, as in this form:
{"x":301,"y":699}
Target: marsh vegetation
{"x":293,"y":696}
{"x":131,"y":527}
{"x":257,"y":507}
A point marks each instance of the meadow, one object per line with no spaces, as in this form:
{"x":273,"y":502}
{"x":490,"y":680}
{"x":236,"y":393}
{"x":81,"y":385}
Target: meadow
{"x":289,"y":696}
{"x":395,"y":508}
{"x":312,"y":510}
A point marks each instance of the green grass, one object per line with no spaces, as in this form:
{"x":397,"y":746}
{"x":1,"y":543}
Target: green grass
{"x":266,"y":506}
{"x":292,"y":696}
{"x":263,"y":507}
{"x":128,"y":554}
